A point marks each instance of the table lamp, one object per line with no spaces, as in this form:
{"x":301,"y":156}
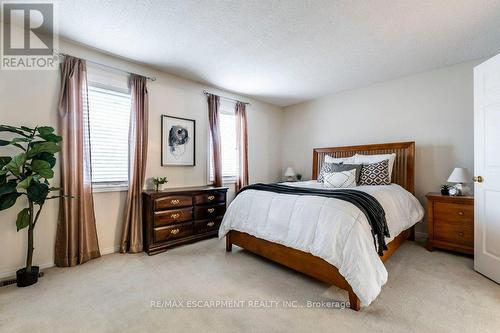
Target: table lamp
{"x":289,"y":174}
{"x":459,"y":176}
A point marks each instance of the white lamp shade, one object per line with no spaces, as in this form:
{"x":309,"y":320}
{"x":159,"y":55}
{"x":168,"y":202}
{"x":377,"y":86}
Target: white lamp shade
{"x":289,"y":172}
{"x":460,"y":175}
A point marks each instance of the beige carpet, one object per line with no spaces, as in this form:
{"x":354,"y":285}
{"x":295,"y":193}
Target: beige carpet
{"x":426,"y":292}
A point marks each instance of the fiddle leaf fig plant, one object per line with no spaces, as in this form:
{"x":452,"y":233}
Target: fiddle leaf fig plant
{"x":27,"y":172}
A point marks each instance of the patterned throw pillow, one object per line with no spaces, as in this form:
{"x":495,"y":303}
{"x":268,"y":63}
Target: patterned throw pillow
{"x":375,"y":174}
{"x":325,"y":168}
{"x":346,"y":167}
{"x":340,"y":179}
{"x":337,"y":167}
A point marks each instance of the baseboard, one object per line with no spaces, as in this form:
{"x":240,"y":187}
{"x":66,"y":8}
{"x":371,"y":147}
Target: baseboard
{"x":12,"y":273}
{"x":109,"y":250}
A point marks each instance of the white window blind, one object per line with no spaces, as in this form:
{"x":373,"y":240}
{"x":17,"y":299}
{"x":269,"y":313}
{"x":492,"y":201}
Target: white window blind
{"x":229,"y":148}
{"x":109,"y":120}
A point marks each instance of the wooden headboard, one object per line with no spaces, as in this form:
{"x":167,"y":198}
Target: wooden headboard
{"x":403,"y":172}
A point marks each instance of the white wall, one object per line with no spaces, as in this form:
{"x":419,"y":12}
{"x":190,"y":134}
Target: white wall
{"x":434,"y":109}
{"x":30,"y":98}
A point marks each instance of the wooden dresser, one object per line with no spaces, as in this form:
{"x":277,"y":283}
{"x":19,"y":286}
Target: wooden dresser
{"x":182,"y":215}
{"x":450,"y":222}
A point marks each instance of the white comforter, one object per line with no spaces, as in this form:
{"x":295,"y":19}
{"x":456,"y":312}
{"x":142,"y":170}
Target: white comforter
{"x":332,"y":229}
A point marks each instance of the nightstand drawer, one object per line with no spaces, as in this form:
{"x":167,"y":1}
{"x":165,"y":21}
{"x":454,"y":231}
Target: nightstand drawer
{"x":456,"y":213}
{"x":455,"y":233}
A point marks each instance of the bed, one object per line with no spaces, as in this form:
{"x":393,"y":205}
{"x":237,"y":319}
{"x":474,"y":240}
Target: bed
{"x":335,"y":248}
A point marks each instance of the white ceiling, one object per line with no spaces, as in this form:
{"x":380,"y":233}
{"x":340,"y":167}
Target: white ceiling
{"x":287,"y":51}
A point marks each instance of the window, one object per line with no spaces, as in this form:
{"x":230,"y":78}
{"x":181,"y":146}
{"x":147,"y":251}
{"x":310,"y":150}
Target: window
{"x":229,"y":148}
{"x":109,"y":121}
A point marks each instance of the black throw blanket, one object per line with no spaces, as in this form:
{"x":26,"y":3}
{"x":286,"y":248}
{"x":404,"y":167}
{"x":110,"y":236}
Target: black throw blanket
{"x":366,"y":203}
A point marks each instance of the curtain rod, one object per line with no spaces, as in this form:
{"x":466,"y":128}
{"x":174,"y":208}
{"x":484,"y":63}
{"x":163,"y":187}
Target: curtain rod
{"x":226,"y":98}
{"x":108,"y":66}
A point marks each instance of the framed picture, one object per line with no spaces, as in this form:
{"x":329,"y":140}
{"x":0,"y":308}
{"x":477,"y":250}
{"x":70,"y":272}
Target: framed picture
{"x":178,"y":141}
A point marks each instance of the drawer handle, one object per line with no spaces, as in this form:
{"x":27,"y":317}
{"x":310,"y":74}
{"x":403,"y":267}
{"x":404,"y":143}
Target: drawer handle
{"x":461,"y":213}
{"x":174,"y":201}
{"x":210,"y":224}
{"x":175,"y":215}
{"x":461,"y":234}
{"x":174,"y":231}
{"x":211,"y":197}
{"x":211,"y":210}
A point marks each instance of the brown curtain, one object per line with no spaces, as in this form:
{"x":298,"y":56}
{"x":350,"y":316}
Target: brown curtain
{"x":213,"y":120}
{"x":76,"y":237}
{"x":138,"y":146}
{"x":242,"y":144}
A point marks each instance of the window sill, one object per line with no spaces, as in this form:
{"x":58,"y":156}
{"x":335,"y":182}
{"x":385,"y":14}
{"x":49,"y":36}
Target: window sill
{"x":226,"y":180}
{"x":109,"y":188}
{"x":229,"y":181}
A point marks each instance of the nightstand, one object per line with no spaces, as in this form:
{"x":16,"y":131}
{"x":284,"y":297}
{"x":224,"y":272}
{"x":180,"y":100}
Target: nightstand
{"x":450,"y":222}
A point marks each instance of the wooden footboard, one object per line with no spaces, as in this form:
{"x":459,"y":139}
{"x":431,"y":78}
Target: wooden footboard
{"x":305,"y":262}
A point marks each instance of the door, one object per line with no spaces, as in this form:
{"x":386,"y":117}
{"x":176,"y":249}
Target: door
{"x":487,"y":168}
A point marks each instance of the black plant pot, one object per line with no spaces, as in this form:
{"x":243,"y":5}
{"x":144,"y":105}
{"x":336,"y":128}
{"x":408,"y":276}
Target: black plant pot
{"x":25,"y":279}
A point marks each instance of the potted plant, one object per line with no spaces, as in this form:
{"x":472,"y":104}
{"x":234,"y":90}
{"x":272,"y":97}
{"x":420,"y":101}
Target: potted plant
{"x":27,"y":173}
{"x":445,"y":189}
{"x":157,"y":181}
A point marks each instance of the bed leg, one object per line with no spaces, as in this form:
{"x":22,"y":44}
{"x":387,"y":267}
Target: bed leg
{"x":229,"y":245}
{"x":412,"y":234}
{"x":354,"y":302}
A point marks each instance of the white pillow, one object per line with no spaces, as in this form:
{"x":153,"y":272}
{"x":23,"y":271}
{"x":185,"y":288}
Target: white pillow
{"x":370,"y":159}
{"x":340,"y":179}
{"x":346,"y":160}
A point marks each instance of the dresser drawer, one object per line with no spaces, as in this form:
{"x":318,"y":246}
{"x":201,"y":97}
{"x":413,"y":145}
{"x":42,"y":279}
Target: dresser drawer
{"x":173,"y":232}
{"x":205,"y":226}
{"x":209,"y":212}
{"x":210,"y":197}
{"x":454,"y":232}
{"x":173,"y":216}
{"x":452,"y":212}
{"x":173,"y":201}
